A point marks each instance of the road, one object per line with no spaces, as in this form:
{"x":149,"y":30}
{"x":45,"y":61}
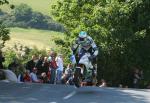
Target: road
{"x":46,"y":93}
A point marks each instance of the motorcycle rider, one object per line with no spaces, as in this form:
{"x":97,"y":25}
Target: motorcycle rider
{"x":84,"y":43}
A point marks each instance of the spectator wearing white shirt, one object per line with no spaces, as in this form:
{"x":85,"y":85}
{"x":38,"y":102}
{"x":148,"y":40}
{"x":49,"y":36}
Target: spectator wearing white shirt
{"x":60,"y":64}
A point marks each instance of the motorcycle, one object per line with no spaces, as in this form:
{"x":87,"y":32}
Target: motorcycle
{"x":85,"y":72}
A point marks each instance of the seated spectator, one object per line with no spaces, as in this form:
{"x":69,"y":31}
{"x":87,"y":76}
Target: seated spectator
{"x":20,"y":77}
{"x":69,"y":70}
{"x":68,"y":75}
{"x":33,"y":76}
{"x":26,"y":77}
{"x":44,"y":78}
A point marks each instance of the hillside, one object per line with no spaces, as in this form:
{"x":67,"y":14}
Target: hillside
{"x":42,"y":39}
{"x":42,"y":6}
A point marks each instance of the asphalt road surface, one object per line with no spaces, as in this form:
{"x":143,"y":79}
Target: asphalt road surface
{"x":46,"y":93}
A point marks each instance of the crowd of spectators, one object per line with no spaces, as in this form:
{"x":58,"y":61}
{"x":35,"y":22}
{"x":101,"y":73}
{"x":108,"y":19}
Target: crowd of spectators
{"x":50,"y":69}
{"x":42,"y":69}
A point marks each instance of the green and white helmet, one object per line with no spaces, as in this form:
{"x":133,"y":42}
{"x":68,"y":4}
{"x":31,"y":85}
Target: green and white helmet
{"x":82,"y":34}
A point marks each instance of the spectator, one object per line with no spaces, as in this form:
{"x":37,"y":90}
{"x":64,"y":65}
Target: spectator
{"x":45,"y":65}
{"x":38,"y":65}
{"x":31,"y":63}
{"x":2,"y":59}
{"x":33,"y":76}
{"x":68,"y":75}
{"x":26,"y":77}
{"x":59,"y":61}
{"x":44,"y":78}
{"x":20,"y":77}
{"x":53,"y":66}
{"x":137,"y":76}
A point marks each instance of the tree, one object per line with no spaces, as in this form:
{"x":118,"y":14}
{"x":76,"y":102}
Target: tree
{"x":3,"y":30}
{"x":23,"y":12}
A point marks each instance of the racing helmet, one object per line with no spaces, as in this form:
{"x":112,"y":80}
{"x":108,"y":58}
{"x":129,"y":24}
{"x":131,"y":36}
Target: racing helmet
{"x":82,"y":35}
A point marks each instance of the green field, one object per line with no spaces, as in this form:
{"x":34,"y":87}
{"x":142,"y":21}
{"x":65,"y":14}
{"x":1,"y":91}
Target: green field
{"x":43,"y":6}
{"x":42,"y":39}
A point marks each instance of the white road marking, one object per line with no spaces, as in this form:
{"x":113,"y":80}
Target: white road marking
{"x":70,"y":95}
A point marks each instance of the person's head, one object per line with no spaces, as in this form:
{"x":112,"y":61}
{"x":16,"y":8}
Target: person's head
{"x":27,"y":72}
{"x":33,"y":57}
{"x":34,"y":70}
{"x":45,"y":59}
{"x":41,"y":57}
{"x":82,"y":36}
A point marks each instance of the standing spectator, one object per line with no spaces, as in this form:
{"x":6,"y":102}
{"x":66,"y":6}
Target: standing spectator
{"x":45,"y":65}
{"x":2,"y":59}
{"x":53,"y":67}
{"x":38,"y":65}
{"x":31,"y":63}
{"x":137,"y":76}
{"x":59,"y":61}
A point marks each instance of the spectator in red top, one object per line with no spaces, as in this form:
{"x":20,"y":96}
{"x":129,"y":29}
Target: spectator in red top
{"x":26,"y":77}
{"x":53,"y":66}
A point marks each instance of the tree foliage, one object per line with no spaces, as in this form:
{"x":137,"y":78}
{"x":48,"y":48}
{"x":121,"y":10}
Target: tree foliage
{"x":3,"y":30}
{"x":119,"y":27}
